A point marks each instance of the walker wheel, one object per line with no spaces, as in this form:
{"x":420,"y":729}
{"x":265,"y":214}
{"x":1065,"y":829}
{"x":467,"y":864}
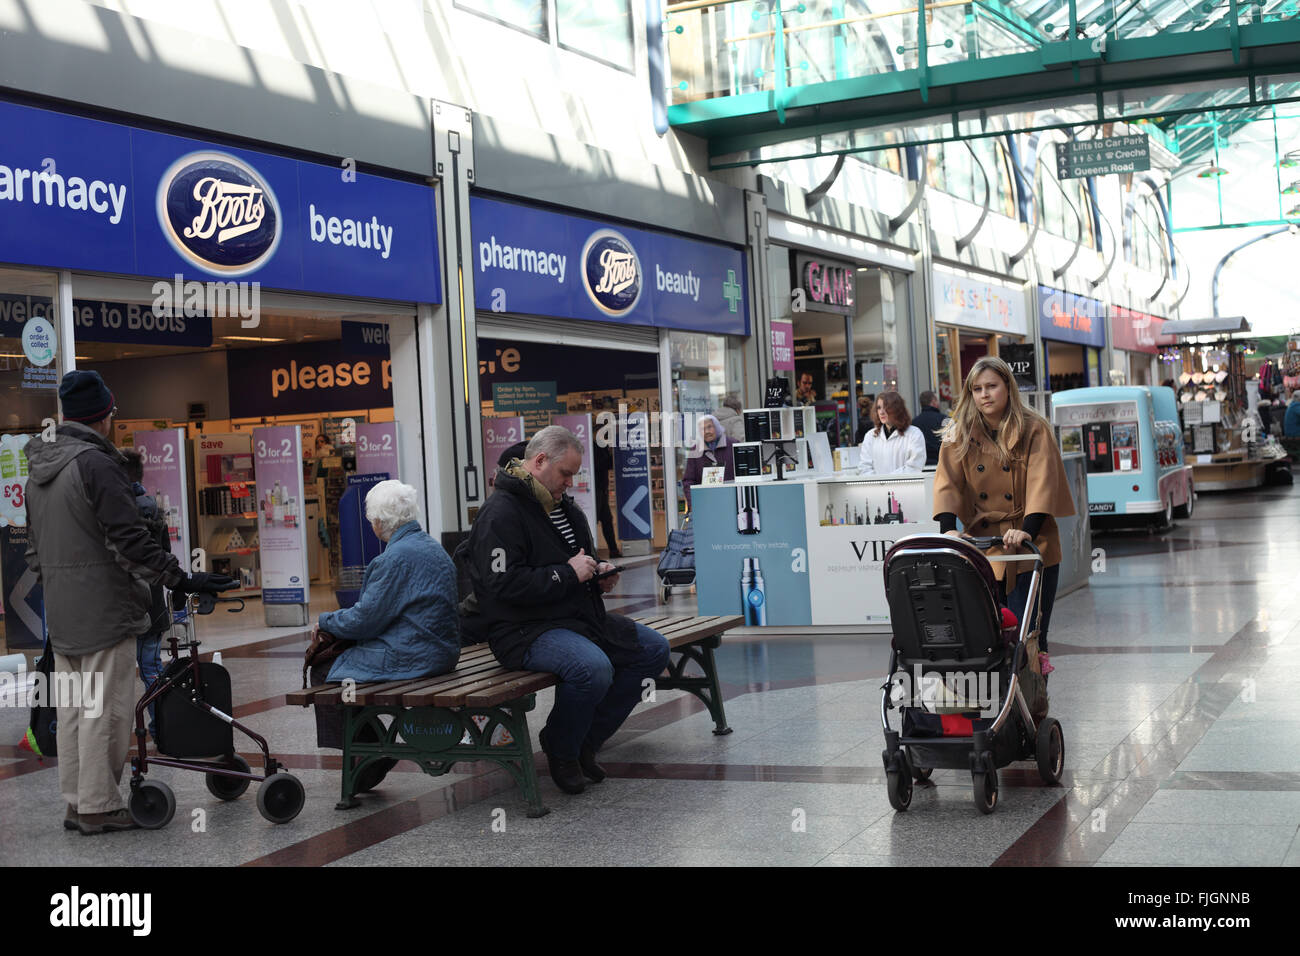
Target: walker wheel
{"x":152,"y":805}
{"x":280,"y":797}
{"x":899,"y":786}
{"x":229,"y":788}
{"x":1049,"y":751}
{"x":985,"y":787}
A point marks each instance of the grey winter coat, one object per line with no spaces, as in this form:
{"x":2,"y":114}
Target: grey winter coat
{"x":87,"y":541}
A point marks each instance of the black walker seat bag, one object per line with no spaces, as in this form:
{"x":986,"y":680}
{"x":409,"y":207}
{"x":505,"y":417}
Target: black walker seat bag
{"x":677,"y":563}
{"x":185,"y":731}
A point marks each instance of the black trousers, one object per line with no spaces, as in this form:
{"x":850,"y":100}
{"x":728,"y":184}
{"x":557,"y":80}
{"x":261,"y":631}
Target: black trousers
{"x":605,"y":519}
{"x":1046,"y":596}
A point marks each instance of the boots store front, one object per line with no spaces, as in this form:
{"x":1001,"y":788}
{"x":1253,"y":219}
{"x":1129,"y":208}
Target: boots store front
{"x":255,"y":316}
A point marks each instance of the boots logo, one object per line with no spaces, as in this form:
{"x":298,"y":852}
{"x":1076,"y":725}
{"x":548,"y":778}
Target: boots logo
{"x":611,"y":272}
{"x":218,"y":213}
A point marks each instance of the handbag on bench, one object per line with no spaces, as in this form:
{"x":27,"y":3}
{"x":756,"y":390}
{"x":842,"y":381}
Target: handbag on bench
{"x":321,"y":652}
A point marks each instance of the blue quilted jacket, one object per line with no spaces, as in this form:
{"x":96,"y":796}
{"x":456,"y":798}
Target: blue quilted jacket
{"x":406,"y":622}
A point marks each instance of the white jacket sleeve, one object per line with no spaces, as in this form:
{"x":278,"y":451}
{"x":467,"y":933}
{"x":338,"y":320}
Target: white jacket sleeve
{"x":865,"y":465}
{"x":914,"y":456}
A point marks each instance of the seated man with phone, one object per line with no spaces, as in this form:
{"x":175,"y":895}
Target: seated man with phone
{"x":538,"y":595}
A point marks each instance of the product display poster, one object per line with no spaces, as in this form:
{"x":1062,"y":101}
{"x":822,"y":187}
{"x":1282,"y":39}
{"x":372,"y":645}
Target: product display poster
{"x":498,"y":435}
{"x":751,"y":554}
{"x":632,"y":480}
{"x":162,"y":455}
{"x":584,"y":485}
{"x":282,"y":538}
{"x":377,"y":449}
{"x":851,"y":527}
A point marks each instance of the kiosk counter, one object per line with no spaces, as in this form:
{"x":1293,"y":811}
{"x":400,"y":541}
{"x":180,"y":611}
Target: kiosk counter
{"x":804,"y":551}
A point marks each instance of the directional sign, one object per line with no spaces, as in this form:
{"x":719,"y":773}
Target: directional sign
{"x":1102,"y":157}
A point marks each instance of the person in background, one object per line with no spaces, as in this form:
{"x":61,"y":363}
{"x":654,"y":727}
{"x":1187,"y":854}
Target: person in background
{"x":732,"y":420}
{"x":930,"y":419}
{"x":806,"y":394}
{"x":1000,"y":473}
{"x":406,"y":623}
{"x":96,"y":560}
{"x":530,"y":564}
{"x":895,"y":446}
{"x":1291,"y":421}
{"x":866,"y":417}
{"x":715,"y":452}
{"x":602,"y":461}
{"x":148,"y":646}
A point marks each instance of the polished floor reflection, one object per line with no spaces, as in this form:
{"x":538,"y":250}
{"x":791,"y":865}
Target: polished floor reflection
{"x":1175,"y":681}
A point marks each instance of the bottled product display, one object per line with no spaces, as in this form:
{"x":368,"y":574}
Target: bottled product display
{"x":859,"y":503}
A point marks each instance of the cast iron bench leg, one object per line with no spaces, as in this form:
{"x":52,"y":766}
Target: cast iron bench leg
{"x":706,"y":688}
{"x":351,"y":723}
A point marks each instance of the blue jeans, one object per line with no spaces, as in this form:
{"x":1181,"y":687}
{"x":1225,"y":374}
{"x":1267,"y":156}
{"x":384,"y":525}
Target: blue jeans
{"x":1047,"y":597}
{"x":599,"y":686}
{"x":148,"y":655}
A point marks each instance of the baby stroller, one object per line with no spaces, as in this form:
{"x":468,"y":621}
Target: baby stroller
{"x":192,"y":708}
{"x":948,"y":630}
{"x":677,"y":563}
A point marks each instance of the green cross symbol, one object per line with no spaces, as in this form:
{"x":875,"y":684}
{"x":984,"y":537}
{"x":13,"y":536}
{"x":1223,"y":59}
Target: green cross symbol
{"x":731,"y":289}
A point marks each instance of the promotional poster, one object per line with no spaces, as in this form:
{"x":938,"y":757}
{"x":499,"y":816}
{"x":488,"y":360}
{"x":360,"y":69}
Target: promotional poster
{"x":584,"y":486}
{"x":24,"y":605}
{"x":632,"y":481}
{"x":498,"y":435}
{"x":162,"y":454}
{"x":282,"y":536}
{"x":377,"y":449}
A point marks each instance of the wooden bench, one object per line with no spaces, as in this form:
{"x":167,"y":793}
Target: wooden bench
{"x":431,"y":720}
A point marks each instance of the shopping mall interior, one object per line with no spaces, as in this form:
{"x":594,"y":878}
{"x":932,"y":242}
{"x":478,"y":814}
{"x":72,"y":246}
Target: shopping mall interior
{"x":930,"y":384}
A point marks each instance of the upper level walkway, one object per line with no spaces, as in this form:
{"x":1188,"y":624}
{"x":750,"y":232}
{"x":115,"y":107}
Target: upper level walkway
{"x":745,"y":74}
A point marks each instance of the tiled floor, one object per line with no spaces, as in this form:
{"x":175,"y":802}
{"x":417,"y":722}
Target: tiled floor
{"x":1175,"y":684}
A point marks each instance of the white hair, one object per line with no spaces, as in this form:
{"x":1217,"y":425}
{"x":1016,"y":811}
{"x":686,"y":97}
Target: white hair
{"x":391,"y":504}
{"x":553,"y":441}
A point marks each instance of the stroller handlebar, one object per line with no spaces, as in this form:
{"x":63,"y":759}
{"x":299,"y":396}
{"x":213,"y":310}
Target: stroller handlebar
{"x":990,"y":541}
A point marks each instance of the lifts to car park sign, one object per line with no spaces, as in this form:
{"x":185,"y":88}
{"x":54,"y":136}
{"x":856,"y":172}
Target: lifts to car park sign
{"x":1102,"y":157}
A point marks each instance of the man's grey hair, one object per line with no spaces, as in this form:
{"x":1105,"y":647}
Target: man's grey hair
{"x":553,"y":441}
{"x":392,"y":504}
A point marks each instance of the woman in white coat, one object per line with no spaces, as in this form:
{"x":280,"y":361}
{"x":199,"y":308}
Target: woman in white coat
{"x":895,"y":446}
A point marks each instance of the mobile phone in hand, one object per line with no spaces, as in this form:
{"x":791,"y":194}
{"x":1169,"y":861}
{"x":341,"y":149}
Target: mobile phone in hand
{"x":606,"y":574}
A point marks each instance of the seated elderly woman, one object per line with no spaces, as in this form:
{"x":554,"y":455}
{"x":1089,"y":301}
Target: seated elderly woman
{"x":406,"y":623}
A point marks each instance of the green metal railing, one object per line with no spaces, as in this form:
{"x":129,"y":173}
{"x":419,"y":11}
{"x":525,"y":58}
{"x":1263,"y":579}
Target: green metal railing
{"x":723,"y":48}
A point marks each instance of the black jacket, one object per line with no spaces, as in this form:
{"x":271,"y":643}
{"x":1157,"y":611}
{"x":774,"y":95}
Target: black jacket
{"x":928,"y":420}
{"x":159,"y":617}
{"x":523,"y":584}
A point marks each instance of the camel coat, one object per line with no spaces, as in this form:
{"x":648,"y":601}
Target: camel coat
{"x":990,"y":498}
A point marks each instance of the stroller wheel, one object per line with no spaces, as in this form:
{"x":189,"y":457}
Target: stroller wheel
{"x":899,"y":786}
{"x":152,"y":805}
{"x":229,"y":788}
{"x":1049,"y":751}
{"x":986,"y":791}
{"x":667,"y":592}
{"x":280,"y":797}
{"x":919,"y":774}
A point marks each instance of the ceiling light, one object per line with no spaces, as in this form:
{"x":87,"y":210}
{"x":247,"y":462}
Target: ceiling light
{"x":1293,"y":212}
{"x":249,"y":338}
{"x":1289,"y":160}
{"x":1212,"y":171}
{"x":1293,"y":189}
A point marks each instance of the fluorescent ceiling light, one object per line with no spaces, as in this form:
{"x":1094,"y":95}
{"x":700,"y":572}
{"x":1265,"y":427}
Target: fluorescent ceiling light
{"x":250,"y":338}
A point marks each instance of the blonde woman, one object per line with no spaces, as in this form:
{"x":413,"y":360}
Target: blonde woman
{"x":1000,"y":473}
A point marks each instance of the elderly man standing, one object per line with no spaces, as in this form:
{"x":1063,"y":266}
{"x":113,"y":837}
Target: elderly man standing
{"x":96,"y":560}
{"x":534,"y":580}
